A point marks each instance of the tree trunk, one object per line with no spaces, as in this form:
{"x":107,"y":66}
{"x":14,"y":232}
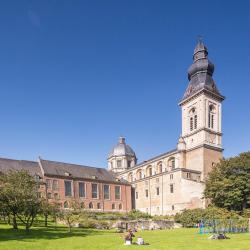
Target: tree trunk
{"x":14,"y":223}
{"x":45,"y":220}
{"x":9,"y":220}
{"x":27,"y":227}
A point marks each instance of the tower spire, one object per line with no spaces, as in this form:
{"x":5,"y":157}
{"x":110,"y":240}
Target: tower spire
{"x":200,"y":73}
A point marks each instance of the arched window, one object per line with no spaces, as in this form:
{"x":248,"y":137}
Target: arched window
{"x":139,"y":174}
{"x":149,"y":171}
{"x":66,"y":204}
{"x":193,"y":120}
{"x":159,"y":168}
{"x":130,"y":177}
{"x":82,"y":205}
{"x":171,"y":163}
{"x":90,"y":205}
{"x":211,"y":114}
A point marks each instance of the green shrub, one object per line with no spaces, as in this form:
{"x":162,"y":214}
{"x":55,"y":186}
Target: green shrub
{"x":191,"y":217}
{"x":246,"y":213}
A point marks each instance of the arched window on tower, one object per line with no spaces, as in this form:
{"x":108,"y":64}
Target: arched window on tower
{"x":211,"y":114}
{"x":193,"y":119}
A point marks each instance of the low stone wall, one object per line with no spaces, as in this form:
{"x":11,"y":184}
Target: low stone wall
{"x":145,"y":224}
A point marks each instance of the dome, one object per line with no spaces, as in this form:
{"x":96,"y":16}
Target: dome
{"x":122,"y":149}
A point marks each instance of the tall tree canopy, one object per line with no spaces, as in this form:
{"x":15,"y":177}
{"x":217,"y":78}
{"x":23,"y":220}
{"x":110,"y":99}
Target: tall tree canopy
{"x":18,"y":196}
{"x":228,"y":184}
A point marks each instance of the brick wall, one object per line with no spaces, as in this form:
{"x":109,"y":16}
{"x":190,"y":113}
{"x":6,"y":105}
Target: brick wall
{"x":53,"y":193}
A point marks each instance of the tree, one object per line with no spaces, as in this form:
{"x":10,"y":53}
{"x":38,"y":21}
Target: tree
{"x":71,"y":215}
{"x":49,"y":209}
{"x":228,"y":184}
{"x":18,"y":194}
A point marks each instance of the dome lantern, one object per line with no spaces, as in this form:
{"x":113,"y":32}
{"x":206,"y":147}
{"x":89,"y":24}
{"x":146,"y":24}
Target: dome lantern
{"x":121,"y":157}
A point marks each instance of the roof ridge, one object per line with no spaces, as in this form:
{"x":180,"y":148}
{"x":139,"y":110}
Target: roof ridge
{"x":9,"y":159}
{"x":155,"y":157}
{"x":74,"y":164}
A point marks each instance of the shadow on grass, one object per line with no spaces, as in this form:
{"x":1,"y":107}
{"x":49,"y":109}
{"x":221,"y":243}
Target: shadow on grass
{"x":7,"y":234}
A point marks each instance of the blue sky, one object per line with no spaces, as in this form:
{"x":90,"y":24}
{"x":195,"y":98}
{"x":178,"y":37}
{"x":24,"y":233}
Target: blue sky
{"x":75,"y":75}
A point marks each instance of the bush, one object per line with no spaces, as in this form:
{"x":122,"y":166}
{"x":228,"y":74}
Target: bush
{"x":136,"y":214}
{"x":246,"y":213}
{"x":191,"y":217}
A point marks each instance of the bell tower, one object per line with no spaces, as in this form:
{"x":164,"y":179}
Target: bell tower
{"x":201,"y":114}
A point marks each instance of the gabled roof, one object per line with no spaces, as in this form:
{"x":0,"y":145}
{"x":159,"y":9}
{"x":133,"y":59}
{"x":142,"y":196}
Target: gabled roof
{"x":9,"y":164}
{"x":62,"y":169}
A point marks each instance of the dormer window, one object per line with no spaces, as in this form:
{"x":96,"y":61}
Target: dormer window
{"x":67,"y":174}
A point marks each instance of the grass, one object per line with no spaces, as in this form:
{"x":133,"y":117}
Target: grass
{"x":41,"y":238}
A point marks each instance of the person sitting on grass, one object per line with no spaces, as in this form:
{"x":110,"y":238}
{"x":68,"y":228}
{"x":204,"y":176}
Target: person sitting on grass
{"x":129,"y":236}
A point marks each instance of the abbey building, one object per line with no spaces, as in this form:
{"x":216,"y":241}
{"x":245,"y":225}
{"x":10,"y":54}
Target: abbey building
{"x":165,"y":184}
{"x":173,"y":181}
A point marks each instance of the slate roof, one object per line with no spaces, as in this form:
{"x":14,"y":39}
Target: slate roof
{"x":55,"y":168}
{"x":8,"y":164}
{"x":122,"y":149}
{"x":200,"y":73}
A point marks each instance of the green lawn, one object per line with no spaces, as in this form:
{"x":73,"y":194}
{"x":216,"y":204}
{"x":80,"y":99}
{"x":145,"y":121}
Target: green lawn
{"x":59,"y":239}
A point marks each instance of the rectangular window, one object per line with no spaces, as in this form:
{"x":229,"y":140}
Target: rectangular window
{"x":68,"y":188}
{"x":119,"y":163}
{"x":49,"y":196}
{"x":129,"y":164}
{"x":55,"y":185}
{"x":171,"y":177}
{"x":188,"y":175}
{"x":117,"y":192}
{"x":171,"y":188}
{"x":158,"y":191}
{"x":81,"y":189}
{"x":191,"y":124}
{"x":106,"y":192}
{"x":146,"y":192}
{"x":94,"y":191}
{"x":136,"y":195}
{"x":195,"y":121}
{"x":48,"y":183}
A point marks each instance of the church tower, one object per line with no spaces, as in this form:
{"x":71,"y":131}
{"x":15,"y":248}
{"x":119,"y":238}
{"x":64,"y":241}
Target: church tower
{"x":201,"y":114}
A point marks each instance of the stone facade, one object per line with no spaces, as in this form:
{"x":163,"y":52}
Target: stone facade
{"x":165,"y":184}
{"x":174,"y":181}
